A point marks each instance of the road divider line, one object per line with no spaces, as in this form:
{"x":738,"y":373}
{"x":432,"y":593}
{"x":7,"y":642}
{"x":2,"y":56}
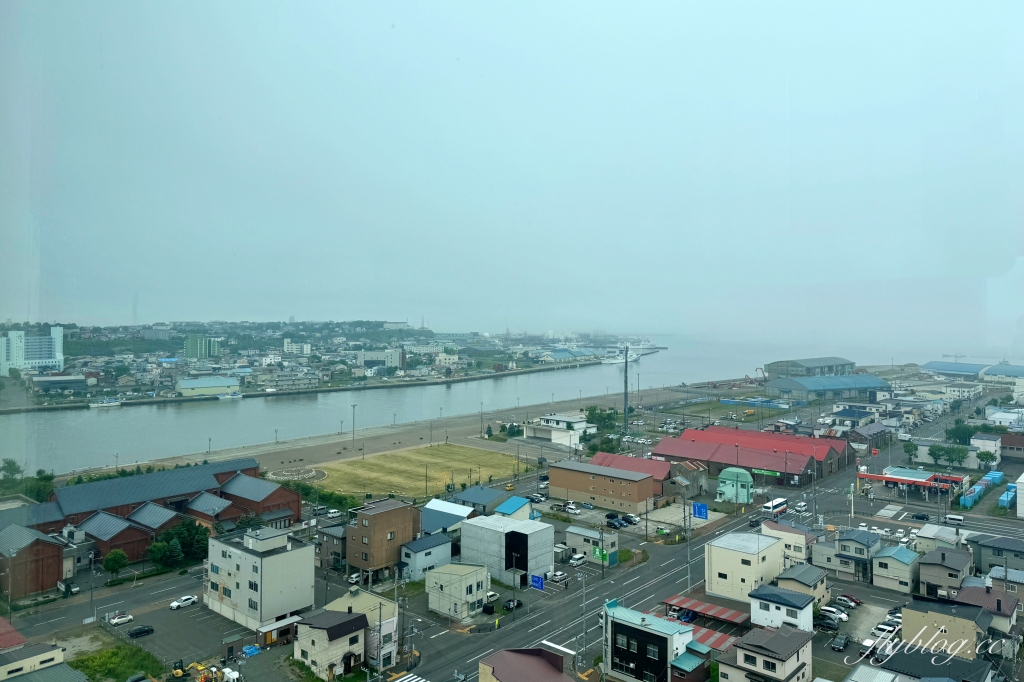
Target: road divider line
{"x":629,"y":581}
{"x":438,"y":634}
{"x":107,"y":606}
{"x":167,"y":589}
{"x":480,"y":655}
{"x":668,"y":562}
{"x":538,"y":626}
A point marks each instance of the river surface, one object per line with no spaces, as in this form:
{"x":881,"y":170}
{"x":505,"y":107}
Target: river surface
{"x":76,"y":439}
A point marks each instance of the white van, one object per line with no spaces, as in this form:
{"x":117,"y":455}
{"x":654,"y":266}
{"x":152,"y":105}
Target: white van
{"x":491,"y":597}
{"x":801,"y":506}
{"x":904,"y":436}
{"x":333,"y":513}
{"x":577,"y":559}
{"x":953,"y":520}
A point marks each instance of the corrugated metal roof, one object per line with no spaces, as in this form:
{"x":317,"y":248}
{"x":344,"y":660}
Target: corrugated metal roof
{"x":805,"y":574}
{"x":152,"y":515}
{"x":85,"y":497}
{"x":432,"y":520}
{"x":13,"y":539}
{"x":687,"y":661}
{"x":504,"y":524}
{"x":208,"y":503}
{"x":1012,"y":371}
{"x":759,"y":440}
{"x":601,"y":471}
{"x":449,"y":508}
{"x":657,"y":468}
{"x":831,"y":383}
{"x":863,"y":537}
{"x":8,"y":657}
{"x":965,"y":368}
{"x":426,"y":542}
{"x":899,"y":553}
{"x":249,"y":487}
{"x":31,"y":514}
{"x":780,"y":595}
{"x":827,"y":361}
{"x":511,"y":505}
{"x":103,"y":526}
{"x":645,"y":620}
{"x":62,"y":672}
{"x":478,"y":494}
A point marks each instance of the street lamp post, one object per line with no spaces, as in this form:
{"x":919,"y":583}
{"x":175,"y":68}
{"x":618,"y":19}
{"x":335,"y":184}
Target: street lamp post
{"x":354,"y":427}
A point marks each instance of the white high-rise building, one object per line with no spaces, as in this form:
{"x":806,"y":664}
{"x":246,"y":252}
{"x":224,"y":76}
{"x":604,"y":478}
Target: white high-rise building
{"x":18,"y":351}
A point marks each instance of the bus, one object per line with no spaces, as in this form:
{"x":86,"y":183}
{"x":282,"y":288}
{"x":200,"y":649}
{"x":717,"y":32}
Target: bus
{"x":775,"y":507}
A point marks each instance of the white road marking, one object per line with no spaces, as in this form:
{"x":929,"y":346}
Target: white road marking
{"x":538,"y":626}
{"x":109,"y":605}
{"x":668,"y":562}
{"x":48,"y":621}
{"x":902,"y":515}
{"x":629,"y":581}
{"x":480,"y":655}
{"x":167,"y":589}
{"x":438,"y":634}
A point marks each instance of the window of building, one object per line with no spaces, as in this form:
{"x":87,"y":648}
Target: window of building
{"x":765,"y":606}
{"x":844,"y":548}
{"x":387,"y":659}
{"x":223,"y":554}
{"x":407,"y":555}
{"x":386,"y":639}
{"x":304,"y":654}
{"x":649,"y":677}
{"x":953,"y":575}
{"x":743,"y":580}
{"x":428,"y":553}
{"x":942,"y":630}
{"x":620,"y":641}
{"x":723,"y":576}
{"x":469,"y":589}
{"x":214,"y":568}
{"x":632,"y":645}
{"x":745,"y":562}
{"x":366,"y":557}
{"x":844,"y":562}
{"x":883,"y":564}
{"x":789,"y":546}
{"x":391,"y":535}
{"x":791,"y":613}
{"x":479,"y":585}
{"x":768,"y":665}
{"x":238,"y":568}
{"x":256,"y":569}
{"x":366,"y":540}
{"x":652,"y":651}
{"x":764,"y":559}
{"x":47,"y":660}
{"x":214,"y":587}
{"x":227,"y":592}
{"x":997,"y":552}
{"x":313,"y":663}
{"x":749,"y":660}
{"x":366,"y":522}
{"x":859,"y":550}
{"x":254,"y":586}
{"x":828,"y":560}
{"x":353,"y":640}
{"x":1011,"y":588}
{"x":253,"y":605}
{"x":904,"y":583}
{"x":724,"y":676}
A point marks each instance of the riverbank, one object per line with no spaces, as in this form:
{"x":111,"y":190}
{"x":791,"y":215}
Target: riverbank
{"x":84,"y":405}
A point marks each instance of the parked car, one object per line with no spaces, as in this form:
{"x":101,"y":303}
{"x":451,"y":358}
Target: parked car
{"x":688,"y":616}
{"x":611,"y":515}
{"x":622,"y":523}
{"x":182,"y":602}
{"x":866,"y":647}
{"x":852,"y":598}
{"x":587,"y":505}
{"x":513,"y":604}
{"x":573,"y":510}
{"x":556,"y":507}
{"x":834,"y":612}
{"x":333,"y":513}
{"x":140,"y":631}
{"x":847,"y":603}
{"x":559,"y":577}
{"x":121,"y":619}
{"x":754,"y":522}
{"x":826,"y":624}
{"x":896,"y":609}
{"x":543,"y":477}
{"x":492,"y":597}
{"x":356,"y":578}
{"x":840,"y":643}
{"x":632,"y":519}
{"x":543,"y":485}
{"x":577,"y":560}
{"x":612,"y":524}
{"x":920,"y":516}
{"x":895,"y":618}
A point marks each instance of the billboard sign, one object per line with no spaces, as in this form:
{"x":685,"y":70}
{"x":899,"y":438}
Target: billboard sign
{"x":537,"y":582}
{"x":700,"y":510}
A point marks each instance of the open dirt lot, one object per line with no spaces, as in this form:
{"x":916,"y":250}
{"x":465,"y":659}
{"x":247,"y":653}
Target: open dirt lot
{"x":407,"y":472}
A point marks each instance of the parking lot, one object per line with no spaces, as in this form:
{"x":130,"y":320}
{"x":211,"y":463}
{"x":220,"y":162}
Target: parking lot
{"x":192,"y":633}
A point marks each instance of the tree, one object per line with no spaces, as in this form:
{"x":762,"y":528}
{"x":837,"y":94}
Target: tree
{"x":936,"y":452}
{"x":911,"y":450}
{"x":10,"y":469}
{"x":174,"y":553}
{"x":961,"y":434}
{"x":191,"y":539}
{"x":463,"y":486}
{"x":489,"y":432}
{"x":249,"y":521}
{"x":157,"y":553}
{"x":985,"y":457}
{"x":14,"y":374}
{"x":503,"y":428}
{"x":955,"y":406}
{"x":993,"y":401}
{"x":120,"y":371}
{"x":115,"y":562}
{"x":956,"y":455}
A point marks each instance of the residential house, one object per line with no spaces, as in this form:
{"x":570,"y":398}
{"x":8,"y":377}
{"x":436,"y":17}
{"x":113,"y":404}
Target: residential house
{"x":523,"y":665}
{"x":563,"y":429}
{"x":424,"y":554}
{"x":258,"y":578}
{"x":660,"y":470}
{"x":1010,"y":581}
{"x":515,"y":507}
{"x":1002,"y":606}
{"x":991,"y":443}
{"x":381,"y":640}
{"x":797,"y":539}
{"x":943,"y":626}
{"x":870,"y":436}
{"x":642,"y":646}
{"x":896,"y":568}
{"x":772,"y":607}
{"x":438,"y":516}
{"x":458,"y":590}
{"x":805,"y":579}
{"x":331,"y":643}
{"x":993,"y":551}
{"x":39,"y":662}
{"x":849,"y":555}
{"x":599,"y":546}
{"x":736,"y":563}
{"x":779,"y":655}
{"x":483,"y":500}
{"x":943,"y":572}
{"x":31,"y":561}
{"x":377,"y":530}
{"x":605,"y":487}
{"x":932,"y":536}
{"x":331,"y":545}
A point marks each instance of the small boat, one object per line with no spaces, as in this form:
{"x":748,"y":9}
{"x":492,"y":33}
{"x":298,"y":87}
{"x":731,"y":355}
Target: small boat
{"x":620,"y":359}
{"x":229,"y":396}
{"x":109,"y":402}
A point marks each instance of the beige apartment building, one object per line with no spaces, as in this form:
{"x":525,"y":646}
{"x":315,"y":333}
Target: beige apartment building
{"x":942,"y":572}
{"x":896,"y":568}
{"x":797,"y":540}
{"x":737,"y":563}
{"x":954,"y":628}
{"x":604,"y":487}
{"x":458,"y":590}
{"x":783,"y":654}
{"x":806,"y":579}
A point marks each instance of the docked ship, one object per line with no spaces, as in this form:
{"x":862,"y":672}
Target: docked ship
{"x":620,"y":358}
{"x":109,"y":402}
{"x":229,"y":396}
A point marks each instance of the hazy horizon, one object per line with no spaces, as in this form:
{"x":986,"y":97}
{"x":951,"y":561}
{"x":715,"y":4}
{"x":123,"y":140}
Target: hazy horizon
{"x":832,"y":177}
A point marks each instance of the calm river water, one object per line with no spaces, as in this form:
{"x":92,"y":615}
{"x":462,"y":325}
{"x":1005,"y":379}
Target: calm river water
{"x":76,"y":439}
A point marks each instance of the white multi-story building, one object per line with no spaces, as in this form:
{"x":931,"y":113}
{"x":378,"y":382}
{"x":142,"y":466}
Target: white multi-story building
{"x":18,"y":351}
{"x":772,"y":607}
{"x":963,"y":390}
{"x":446,"y":360}
{"x":736,"y":563}
{"x":458,"y":590}
{"x":258,"y":577}
{"x":297,"y":348}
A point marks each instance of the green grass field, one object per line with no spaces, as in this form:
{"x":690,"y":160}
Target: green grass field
{"x":418,"y":472}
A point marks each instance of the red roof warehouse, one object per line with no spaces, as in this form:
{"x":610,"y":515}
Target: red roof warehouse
{"x":722,"y":447}
{"x":660,"y":470}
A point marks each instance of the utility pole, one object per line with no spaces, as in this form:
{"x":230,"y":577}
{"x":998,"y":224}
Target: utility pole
{"x":354,"y":428}
{"x":481,"y":420}
{"x":583,"y":576}
{"x":625,"y":393}
{"x":515,"y":558}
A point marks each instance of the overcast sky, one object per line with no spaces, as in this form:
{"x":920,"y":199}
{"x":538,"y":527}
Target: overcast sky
{"x":724,"y":170}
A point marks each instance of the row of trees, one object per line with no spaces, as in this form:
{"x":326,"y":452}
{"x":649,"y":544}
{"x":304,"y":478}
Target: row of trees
{"x":962,"y":432}
{"x":13,"y":481}
{"x":186,"y":542}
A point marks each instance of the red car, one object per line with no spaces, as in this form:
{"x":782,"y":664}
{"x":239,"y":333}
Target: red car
{"x":856,"y":601}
